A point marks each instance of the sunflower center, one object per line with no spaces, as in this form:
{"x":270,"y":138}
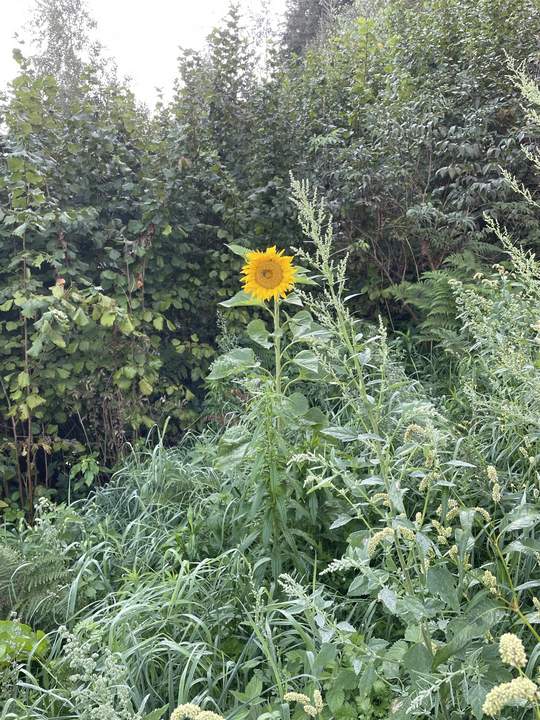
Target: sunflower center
{"x":269,"y":274}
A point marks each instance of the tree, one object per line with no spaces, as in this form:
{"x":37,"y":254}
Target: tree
{"x":63,"y":33}
{"x":306,"y":18}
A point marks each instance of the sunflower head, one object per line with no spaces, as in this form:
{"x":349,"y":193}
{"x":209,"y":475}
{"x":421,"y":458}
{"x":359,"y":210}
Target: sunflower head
{"x":268,"y":274}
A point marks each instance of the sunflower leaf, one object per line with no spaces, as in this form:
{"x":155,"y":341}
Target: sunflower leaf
{"x":258,"y":332}
{"x":293,"y":299}
{"x":242,"y":299}
{"x":307,"y":360}
{"x":238,"y":250}
{"x":233,"y":363}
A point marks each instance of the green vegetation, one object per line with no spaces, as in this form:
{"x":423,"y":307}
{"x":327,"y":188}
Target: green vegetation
{"x":329,"y":502}
{"x":114,"y":222}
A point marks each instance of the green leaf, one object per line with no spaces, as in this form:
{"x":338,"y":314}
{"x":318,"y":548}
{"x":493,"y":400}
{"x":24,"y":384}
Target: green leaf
{"x":20,"y":230}
{"x":476,"y":696}
{"x":258,"y":332}
{"x":253,"y":688}
{"x":126,"y":326}
{"x":34,"y":401}
{"x":302,"y":276}
{"x":134,"y":226}
{"x":23,"y":379}
{"x":233,"y":363}
{"x":457,"y":643}
{"x":298,"y":404}
{"x":389,"y":599}
{"x":293,"y":299}
{"x":242,"y":299}
{"x":393,"y":658}
{"x":108,"y":318}
{"x":80,"y":318}
{"x":340,"y":433}
{"x":18,"y":642}
{"x":36,"y":348}
{"x":418,"y":661}
{"x":307,"y":360}
{"x":442,"y":583}
{"x":145,"y":387}
{"x":238,"y":250}
{"x":304,"y":328}
{"x":156,"y":714}
{"x":522,"y":517}
{"x":335,"y":699}
{"x":527,"y":547}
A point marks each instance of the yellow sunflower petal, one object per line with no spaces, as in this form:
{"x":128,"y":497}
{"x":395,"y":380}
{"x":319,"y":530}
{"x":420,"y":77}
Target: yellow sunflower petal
{"x":268,"y":274}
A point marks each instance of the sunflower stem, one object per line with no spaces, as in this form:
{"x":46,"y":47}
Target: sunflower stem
{"x":277,"y":345}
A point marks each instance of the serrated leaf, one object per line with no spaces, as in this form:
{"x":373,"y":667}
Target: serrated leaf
{"x":156,"y":714}
{"x":298,"y":404}
{"x":20,"y":230}
{"x":233,"y":363}
{"x":418,"y":661}
{"x":126,"y":326}
{"x":80,"y":318}
{"x":393,"y":657}
{"x":302,"y":276}
{"x":293,"y":299}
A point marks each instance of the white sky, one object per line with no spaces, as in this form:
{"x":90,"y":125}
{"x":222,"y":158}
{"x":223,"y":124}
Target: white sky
{"x":142,"y":35}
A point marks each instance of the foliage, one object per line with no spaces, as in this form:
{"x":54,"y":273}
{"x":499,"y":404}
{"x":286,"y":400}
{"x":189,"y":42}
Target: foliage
{"x":115,"y":220}
{"x":17,"y":641}
{"x":34,"y":571}
{"x":345,"y":547}
{"x":305,"y":21}
{"x":353,"y":534}
{"x":63,"y":31}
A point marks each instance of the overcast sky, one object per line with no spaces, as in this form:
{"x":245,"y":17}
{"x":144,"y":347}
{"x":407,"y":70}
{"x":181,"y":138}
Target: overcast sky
{"x":143,"y":35}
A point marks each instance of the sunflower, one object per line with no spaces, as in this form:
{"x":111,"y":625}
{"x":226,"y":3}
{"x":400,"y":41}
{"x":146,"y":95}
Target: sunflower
{"x":268,"y":274}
